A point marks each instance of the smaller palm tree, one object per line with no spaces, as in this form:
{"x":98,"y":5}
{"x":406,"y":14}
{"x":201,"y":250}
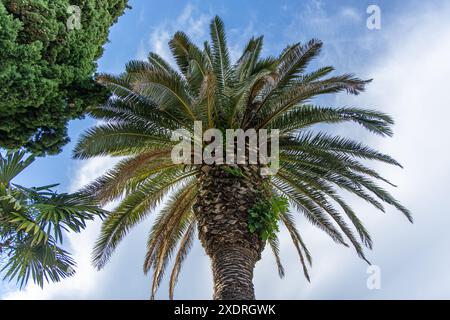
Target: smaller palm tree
{"x":32,"y":221}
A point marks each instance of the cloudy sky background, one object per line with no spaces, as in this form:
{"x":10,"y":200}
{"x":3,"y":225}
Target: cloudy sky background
{"x":409,"y":62}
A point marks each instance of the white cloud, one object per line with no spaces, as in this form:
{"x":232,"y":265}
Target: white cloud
{"x":351,"y":14}
{"x":196,"y":25}
{"x":411,"y":84}
{"x":90,"y":170}
{"x":190,"y":21}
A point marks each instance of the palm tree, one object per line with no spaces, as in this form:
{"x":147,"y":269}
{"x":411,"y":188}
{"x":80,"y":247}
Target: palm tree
{"x":234,"y":209}
{"x":32,"y":222}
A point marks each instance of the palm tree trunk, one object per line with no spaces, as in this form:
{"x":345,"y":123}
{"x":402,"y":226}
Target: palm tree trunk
{"x":222,"y":206}
{"x":233,"y":273}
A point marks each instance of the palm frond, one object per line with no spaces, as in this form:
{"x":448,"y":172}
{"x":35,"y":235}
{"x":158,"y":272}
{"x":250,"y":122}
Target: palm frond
{"x":246,"y":64}
{"x":43,"y":263}
{"x":320,"y":201}
{"x":32,"y":222}
{"x":298,"y":92}
{"x":220,"y":54}
{"x":169,"y":228}
{"x":126,"y":176}
{"x":12,"y":164}
{"x":188,"y":57}
{"x":292,"y":62}
{"x":169,"y":91}
{"x":305,"y":116}
{"x":327,"y":169}
{"x":318,"y":142}
{"x":133,"y":209}
{"x":158,"y":63}
{"x":121,"y":139}
{"x":185,"y":246}
{"x":302,"y":251}
{"x":312,"y":212}
{"x":274,"y":244}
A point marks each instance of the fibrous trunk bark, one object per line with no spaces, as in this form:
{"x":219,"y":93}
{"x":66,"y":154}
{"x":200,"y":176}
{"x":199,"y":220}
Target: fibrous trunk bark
{"x":222,"y":207}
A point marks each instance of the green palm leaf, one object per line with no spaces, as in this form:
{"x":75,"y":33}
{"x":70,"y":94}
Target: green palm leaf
{"x":133,"y":209}
{"x":33,"y":222}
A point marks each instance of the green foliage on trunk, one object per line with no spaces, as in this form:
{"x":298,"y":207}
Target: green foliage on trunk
{"x":234,"y":171}
{"x":263,"y":217}
{"x":46,"y":70}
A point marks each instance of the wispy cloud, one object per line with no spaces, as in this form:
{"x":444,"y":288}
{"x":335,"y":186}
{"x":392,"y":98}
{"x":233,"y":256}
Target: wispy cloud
{"x":351,"y":14}
{"x":410,"y":84}
{"x":195,"y":23}
{"x":191,"y":21}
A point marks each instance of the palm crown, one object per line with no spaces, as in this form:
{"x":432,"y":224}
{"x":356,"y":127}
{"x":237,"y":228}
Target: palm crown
{"x":152,"y":99}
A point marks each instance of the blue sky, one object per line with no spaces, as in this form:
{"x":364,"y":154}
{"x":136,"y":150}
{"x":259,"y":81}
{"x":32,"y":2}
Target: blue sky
{"x":408,"y":59}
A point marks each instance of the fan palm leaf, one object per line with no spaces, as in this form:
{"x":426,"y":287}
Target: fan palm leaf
{"x":33,"y":222}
